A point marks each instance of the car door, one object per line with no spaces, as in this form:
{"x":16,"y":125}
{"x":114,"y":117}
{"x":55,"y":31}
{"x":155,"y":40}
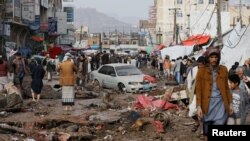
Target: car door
{"x":102,"y":75}
{"x":111,"y":80}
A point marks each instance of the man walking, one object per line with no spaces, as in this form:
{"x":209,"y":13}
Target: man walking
{"x":214,"y":99}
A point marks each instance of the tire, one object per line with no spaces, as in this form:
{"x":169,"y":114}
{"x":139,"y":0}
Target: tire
{"x":121,"y":87}
{"x":97,"y":82}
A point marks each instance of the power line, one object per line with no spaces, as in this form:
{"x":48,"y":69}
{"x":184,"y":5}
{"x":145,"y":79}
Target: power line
{"x":209,"y":20}
{"x":239,"y":39}
{"x":238,"y":12}
{"x":219,"y":32}
{"x":200,"y":16}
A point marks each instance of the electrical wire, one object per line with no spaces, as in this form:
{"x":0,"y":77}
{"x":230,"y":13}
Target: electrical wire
{"x":239,"y":39}
{"x":200,"y":16}
{"x":238,"y":12}
{"x":209,"y":20}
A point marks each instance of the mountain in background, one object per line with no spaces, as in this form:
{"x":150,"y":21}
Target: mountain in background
{"x":99,"y":22}
{"x":127,"y":19}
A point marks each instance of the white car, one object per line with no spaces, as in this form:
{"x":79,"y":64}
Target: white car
{"x":123,"y":77}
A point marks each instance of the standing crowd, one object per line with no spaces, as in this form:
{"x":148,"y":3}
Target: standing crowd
{"x":216,"y":96}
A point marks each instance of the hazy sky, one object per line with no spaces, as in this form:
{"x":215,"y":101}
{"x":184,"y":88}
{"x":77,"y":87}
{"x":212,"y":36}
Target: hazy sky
{"x":237,"y":1}
{"x":133,"y":8}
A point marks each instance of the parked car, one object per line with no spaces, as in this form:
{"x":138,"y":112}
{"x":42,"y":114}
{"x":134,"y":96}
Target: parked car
{"x":123,"y":77}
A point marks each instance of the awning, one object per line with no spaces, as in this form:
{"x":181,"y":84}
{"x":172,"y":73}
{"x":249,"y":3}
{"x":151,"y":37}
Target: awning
{"x":78,"y":49}
{"x":37,"y":38}
{"x":177,"y":51}
{"x":196,"y":40}
{"x":64,"y":47}
{"x":54,"y":51}
{"x":149,"y":49}
{"x":160,"y":47}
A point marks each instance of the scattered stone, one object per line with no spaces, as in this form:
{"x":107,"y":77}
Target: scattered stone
{"x":124,"y":132}
{"x":120,"y":129}
{"x":107,"y":117}
{"x":47,"y":92}
{"x":72,"y":128}
{"x":108,"y":138}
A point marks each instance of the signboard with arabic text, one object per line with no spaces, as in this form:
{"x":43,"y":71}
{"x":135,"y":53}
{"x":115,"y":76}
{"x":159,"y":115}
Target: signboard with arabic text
{"x":52,"y":25}
{"x":9,"y":11}
{"x":70,"y":13}
{"x":28,"y":11}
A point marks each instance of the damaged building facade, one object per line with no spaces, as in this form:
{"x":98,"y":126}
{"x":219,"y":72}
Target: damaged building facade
{"x":30,"y":24}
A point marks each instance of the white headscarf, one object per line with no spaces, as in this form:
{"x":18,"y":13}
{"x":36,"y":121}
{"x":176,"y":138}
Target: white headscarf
{"x":66,"y":57}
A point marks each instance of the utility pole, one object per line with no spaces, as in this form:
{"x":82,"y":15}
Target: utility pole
{"x":2,"y":20}
{"x":80,"y":35}
{"x":240,"y":14}
{"x":158,"y":36}
{"x":116,"y":40}
{"x":189,"y":28}
{"x":100,"y":41}
{"x":219,"y":32}
{"x":175,"y":34}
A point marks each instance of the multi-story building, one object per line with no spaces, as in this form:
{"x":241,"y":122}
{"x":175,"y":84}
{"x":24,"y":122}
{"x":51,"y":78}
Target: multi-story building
{"x":68,"y":36}
{"x":153,"y":13}
{"x":184,"y":17}
{"x":147,"y":30}
{"x":94,"y":41}
{"x":26,"y":22}
{"x":114,"y":41}
{"x":82,"y":33}
{"x":239,"y":10}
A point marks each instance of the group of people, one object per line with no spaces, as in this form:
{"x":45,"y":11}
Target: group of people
{"x":172,"y":69}
{"x":16,"y":69}
{"x":220,"y":98}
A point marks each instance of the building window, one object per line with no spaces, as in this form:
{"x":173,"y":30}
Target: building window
{"x":224,"y":7}
{"x":179,"y":14}
{"x":211,"y":2}
{"x":179,"y":1}
{"x":248,"y":7}
{"x":127,"y":42}
{"x":180,"y":27}
{"x":134,"y":42}
{"x":200,"y":1}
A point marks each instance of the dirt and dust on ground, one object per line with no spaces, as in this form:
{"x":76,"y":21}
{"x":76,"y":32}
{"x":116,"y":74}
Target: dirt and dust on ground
{"x":100,"y":115}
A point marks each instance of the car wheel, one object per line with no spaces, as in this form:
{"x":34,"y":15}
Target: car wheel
{"x":97,"y":83}
{"x":121,"y":87}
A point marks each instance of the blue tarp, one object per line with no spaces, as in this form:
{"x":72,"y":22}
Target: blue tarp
{"x":25,"y":52}
{"x":95,"y":46}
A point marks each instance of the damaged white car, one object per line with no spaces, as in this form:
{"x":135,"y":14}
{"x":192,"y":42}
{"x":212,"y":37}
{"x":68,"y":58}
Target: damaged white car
{"x":123,"y":77}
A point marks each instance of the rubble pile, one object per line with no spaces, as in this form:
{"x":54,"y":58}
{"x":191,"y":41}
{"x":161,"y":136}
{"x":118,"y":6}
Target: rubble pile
{"x":102,"y":114}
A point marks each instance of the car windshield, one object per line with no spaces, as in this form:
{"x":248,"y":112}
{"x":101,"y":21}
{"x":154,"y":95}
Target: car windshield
{"x":127,"y":70}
